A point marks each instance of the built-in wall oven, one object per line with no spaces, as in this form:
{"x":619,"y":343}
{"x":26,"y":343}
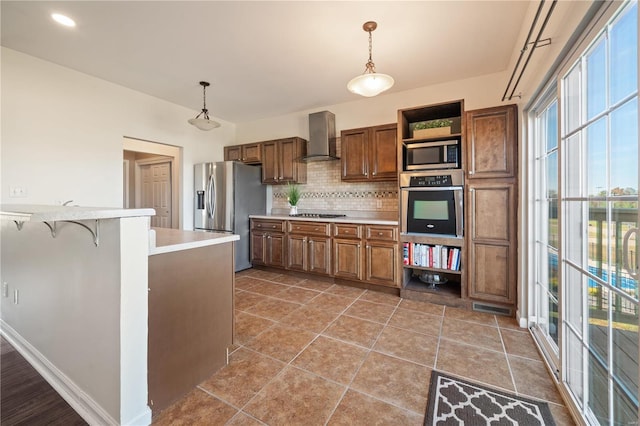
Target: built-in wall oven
{"x":431,"y":202}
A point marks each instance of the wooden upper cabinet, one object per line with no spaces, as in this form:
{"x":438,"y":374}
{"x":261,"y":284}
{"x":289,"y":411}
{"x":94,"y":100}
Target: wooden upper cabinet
{"x":233,"y":153}
{"x":280,"y":161}
{"x":249,"y":153}
{"x":491,"y":142}
{"x":354,"y":154}
{"x":382,"y":152}
{"x":270,"y":169}
{"x":369,"y":153}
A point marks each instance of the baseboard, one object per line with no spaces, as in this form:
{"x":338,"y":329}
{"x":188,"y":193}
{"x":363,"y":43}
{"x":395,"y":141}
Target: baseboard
{"x":82,"y":403}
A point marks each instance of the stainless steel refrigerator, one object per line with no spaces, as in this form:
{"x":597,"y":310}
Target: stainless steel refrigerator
{"x":226,"y":193}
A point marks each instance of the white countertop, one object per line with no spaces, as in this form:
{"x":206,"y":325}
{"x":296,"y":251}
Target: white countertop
{"x":45,"y":213}
{"x":371,"y":220}
{"x":165,"y":240}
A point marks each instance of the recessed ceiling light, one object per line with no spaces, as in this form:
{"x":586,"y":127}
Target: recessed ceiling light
{"x":64,"y":20}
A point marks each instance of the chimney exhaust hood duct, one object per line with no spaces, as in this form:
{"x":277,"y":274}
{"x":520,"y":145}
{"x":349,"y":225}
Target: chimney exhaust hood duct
{"x":322,"y":137}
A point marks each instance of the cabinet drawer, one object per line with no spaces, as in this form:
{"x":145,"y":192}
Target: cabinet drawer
{"x":267,"y":225}
{"x":310,"y":228}
{"x":382,"y":233}
{"x":347,"y":230}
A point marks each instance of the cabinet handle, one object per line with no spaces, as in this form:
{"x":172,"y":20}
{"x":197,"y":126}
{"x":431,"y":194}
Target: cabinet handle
{"x":472,"y":190}
{"x":358,"y":246}
{"x":470,"y":172}
{"x":374,"y":173}
{"x":280,"y":178}
{"x":259,"y":225}
{"x":269,"y":237}
{"x":380,"y":233}
{"x":273,"y":226}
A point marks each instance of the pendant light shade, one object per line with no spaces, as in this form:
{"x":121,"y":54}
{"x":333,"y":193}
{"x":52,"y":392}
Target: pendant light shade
{"x":202,"y":120}
{"x":370,"y":83}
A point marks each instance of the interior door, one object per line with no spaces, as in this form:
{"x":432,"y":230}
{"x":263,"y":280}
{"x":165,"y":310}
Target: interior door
{"x":156,"y":192}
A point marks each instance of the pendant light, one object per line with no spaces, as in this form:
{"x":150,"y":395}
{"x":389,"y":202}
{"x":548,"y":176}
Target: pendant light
{"x":204,"y":123}
{"x":370,"y":83}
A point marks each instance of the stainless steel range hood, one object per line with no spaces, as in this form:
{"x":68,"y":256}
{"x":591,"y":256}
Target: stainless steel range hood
{"x":322,"y":137}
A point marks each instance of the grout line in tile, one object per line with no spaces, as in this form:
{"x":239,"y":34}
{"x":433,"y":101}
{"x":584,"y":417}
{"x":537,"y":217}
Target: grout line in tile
{"x":504,"y":350}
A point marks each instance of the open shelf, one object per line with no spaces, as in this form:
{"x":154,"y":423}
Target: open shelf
{"x":448,"y":294}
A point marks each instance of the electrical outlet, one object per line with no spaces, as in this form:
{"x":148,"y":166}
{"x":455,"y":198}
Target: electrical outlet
{"x":5,"y":289}
{"x":17,"y":191}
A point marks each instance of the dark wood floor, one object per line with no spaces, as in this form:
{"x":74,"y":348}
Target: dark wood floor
{"x":26,"y":398}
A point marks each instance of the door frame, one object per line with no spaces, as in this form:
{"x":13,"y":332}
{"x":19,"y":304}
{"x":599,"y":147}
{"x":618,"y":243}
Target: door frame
{"x":175,"y":154}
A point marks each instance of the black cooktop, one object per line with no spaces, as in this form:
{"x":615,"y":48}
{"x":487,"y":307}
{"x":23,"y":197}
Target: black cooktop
{"x":323,"y":215}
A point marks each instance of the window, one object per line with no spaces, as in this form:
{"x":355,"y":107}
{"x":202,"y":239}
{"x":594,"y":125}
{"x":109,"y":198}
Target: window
{"x":584,"y":212}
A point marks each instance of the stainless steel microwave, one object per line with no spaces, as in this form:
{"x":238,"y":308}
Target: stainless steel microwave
{"x":432,"y":155}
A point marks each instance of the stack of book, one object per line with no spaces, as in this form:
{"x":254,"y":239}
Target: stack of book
{"x":431,"y":256}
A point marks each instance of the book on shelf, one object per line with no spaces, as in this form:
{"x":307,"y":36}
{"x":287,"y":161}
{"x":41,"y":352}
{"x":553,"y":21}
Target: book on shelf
{"x":431,"y":256}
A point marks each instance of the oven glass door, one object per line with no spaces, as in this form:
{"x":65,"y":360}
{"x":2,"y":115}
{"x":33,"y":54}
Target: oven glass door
{"x":433,"y":210}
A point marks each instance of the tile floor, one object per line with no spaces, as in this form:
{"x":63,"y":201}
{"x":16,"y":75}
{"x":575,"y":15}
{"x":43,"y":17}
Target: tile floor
{"x":309,"y":352}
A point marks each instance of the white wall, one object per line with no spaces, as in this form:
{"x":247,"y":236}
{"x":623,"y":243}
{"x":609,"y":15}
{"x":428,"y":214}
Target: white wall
{"x":478,"y":92}
{"x":62,"y":134}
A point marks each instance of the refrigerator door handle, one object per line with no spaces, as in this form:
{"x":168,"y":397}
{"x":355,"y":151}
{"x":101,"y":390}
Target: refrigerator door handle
{"x":211,"y":191}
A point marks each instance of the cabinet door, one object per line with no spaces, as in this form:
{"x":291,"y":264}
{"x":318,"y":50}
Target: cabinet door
{"x":297,"y":252}
{"x":270,"y":162}
{"x":233,"y":153}
{"x":258,"y":245}
{"x":251,"y":153}
{"x":346,"y":259}
{"x":491,"y":226}
{"x":491,"y":142}
{"x":382,"y":153}
{"x":319,"y":250}
{"x":275,"y":250}
{"x":287,"y":161}
{"x":354,"y":154}
{"x":381,"y":263}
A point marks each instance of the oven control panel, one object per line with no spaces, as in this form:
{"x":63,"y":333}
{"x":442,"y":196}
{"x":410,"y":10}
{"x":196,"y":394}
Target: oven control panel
{"x":439,"y":180}
{"x":431,"y":179}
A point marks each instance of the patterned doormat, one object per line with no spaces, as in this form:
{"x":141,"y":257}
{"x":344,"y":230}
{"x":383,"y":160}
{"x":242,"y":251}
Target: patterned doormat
{"x":453,"y":401}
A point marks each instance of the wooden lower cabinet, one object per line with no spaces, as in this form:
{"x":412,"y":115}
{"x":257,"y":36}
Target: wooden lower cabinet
{"x":492,"y":242}
{"x":267,"y":248}
{"x":309,"y":254}
{"x":381,"y":263}
{"x":268,"y":242}
{"x":347,"y":256}
{"x":357,"y":252}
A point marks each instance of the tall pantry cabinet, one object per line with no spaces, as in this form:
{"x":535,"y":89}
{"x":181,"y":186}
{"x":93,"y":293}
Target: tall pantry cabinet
{"x":491,"y":206}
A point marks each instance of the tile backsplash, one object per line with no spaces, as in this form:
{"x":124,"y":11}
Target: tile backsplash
{"x":325,"y":190}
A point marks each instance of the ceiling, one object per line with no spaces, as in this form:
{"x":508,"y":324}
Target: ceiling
{"x":266,"y":58}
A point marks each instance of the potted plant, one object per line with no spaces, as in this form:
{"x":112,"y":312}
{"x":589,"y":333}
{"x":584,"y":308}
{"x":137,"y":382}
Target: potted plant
{"x":293,"y":196}
{"x":432,"y":128}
